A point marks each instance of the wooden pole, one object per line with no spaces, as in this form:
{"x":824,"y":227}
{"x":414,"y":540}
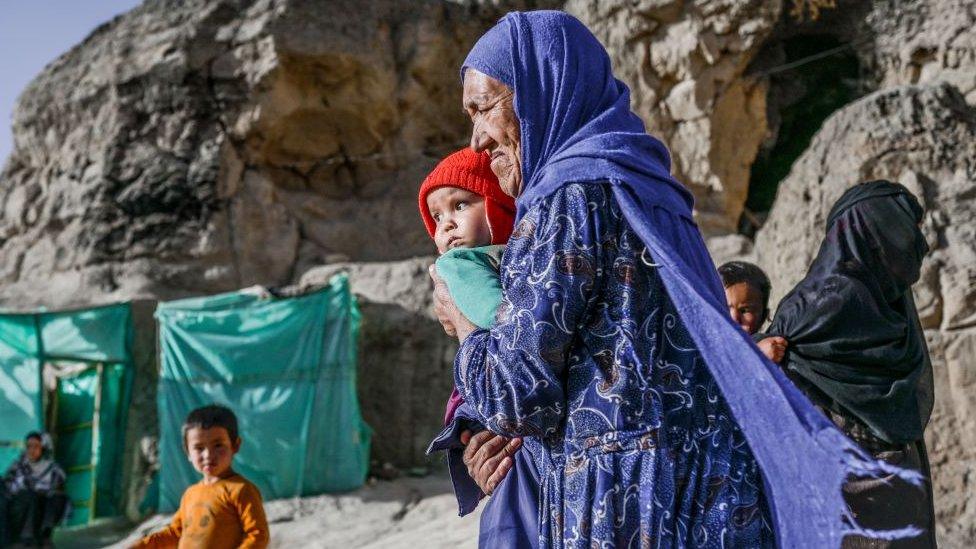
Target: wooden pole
{"x":96,"y":436}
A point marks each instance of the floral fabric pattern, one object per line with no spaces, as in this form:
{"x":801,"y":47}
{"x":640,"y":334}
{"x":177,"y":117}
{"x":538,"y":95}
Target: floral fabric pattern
{"x":589,"y":361}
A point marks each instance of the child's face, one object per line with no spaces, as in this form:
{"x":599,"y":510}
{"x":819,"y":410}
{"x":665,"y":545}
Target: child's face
{"x":746,"y":306}
{"x":460,"y":217}
{"x":211,"y":451}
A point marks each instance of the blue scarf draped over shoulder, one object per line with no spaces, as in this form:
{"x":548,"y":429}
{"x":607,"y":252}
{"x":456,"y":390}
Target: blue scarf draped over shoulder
{"x":577,"y":126}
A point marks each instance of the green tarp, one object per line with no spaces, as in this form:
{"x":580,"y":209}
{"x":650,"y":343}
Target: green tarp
{"x":286,"y":367}
{"x":90,"y":415}
{"x":90,"y":350}
{"x":20,"y":383}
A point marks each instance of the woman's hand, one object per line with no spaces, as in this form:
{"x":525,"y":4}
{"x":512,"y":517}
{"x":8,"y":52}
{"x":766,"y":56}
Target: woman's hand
{"x":447,"y":312}
{"x":774,"y":348}
{"x":488,"y":457}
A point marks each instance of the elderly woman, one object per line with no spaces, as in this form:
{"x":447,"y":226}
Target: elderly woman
{"x":652,"y":420}
{"x":858,"y":350}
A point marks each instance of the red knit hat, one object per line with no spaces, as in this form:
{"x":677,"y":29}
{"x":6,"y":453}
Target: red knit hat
{"x":471,"y":171}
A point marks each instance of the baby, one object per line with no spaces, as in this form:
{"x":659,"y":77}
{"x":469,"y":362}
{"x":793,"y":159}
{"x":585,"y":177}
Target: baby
{"x":470,"y":219}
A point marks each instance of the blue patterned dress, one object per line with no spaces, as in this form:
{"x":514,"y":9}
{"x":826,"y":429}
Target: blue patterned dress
{"x":589,"y":361}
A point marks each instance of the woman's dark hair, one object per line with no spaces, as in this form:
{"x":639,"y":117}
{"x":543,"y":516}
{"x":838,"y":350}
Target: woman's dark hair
{"x":34,"y":434}
{"x":735,"y":272}
{"x":210,"y":416}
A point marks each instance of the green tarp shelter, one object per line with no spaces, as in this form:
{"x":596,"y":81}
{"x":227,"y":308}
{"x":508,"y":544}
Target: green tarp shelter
{"x":286,"y":367}
{"x":88,"y":362}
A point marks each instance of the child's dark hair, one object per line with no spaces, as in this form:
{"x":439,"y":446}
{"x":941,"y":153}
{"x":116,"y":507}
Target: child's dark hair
{"x":34,"y":434}
{"x":735,"y":272}
{"x":210,"y":416}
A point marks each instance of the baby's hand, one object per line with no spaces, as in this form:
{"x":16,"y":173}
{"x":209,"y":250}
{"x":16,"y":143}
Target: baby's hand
{"x":774,"y":348}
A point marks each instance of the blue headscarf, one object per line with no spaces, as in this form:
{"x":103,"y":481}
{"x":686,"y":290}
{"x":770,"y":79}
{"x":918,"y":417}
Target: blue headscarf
{"x":577,"y":126}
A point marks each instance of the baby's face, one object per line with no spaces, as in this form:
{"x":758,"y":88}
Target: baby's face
{"x":460,"y":217}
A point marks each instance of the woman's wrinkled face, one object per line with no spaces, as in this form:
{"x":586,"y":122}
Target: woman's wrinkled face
{"x":491,"y":106}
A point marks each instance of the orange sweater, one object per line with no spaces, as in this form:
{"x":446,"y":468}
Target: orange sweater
{"x":227,"y":513}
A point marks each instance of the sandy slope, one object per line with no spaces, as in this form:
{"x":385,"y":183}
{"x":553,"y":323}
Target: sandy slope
{"x":412,"y":513}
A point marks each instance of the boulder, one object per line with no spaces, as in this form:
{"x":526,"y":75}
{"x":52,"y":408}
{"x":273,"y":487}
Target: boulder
{"x":924,"y":42}
{"x":685,"y":63}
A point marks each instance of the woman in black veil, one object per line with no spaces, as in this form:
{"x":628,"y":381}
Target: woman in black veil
{"x":856,"y":347}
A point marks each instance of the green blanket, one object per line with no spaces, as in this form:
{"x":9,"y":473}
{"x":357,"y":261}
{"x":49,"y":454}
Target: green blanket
{"x":471,"y":274}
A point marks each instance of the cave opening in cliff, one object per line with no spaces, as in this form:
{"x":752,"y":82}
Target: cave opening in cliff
{"x":810,"y":76}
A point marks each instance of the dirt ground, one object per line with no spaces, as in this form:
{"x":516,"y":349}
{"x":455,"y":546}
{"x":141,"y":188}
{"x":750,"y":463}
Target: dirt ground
{"x":408,"y":513}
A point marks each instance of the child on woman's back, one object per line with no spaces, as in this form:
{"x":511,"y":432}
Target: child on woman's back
{"x":747,"y":291}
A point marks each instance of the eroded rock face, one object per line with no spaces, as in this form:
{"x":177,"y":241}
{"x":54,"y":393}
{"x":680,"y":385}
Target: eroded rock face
{"x":208,"y":145}
{"x":201,"y":146}
{"x":924,"y":42}
{"x":924,"y":137}
{"x":684,"y":63}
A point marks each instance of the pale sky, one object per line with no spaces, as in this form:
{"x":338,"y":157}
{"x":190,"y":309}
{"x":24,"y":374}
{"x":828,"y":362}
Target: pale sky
{"x":35,"y":32}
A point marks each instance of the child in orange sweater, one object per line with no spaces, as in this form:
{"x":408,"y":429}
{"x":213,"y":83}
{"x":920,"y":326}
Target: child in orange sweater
{"x":224,"y":509}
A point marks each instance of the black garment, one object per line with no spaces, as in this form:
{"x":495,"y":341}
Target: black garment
{"x":855,"y":342}
{"x":889,"y":502}
{"x":32,"y":516}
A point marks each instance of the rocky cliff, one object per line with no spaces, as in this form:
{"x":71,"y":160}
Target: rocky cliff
{"x":206,"y":145}
{"x":200,"y":146}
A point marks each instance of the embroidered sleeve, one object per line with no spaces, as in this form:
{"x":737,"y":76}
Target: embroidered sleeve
{"x":513,"y":374}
